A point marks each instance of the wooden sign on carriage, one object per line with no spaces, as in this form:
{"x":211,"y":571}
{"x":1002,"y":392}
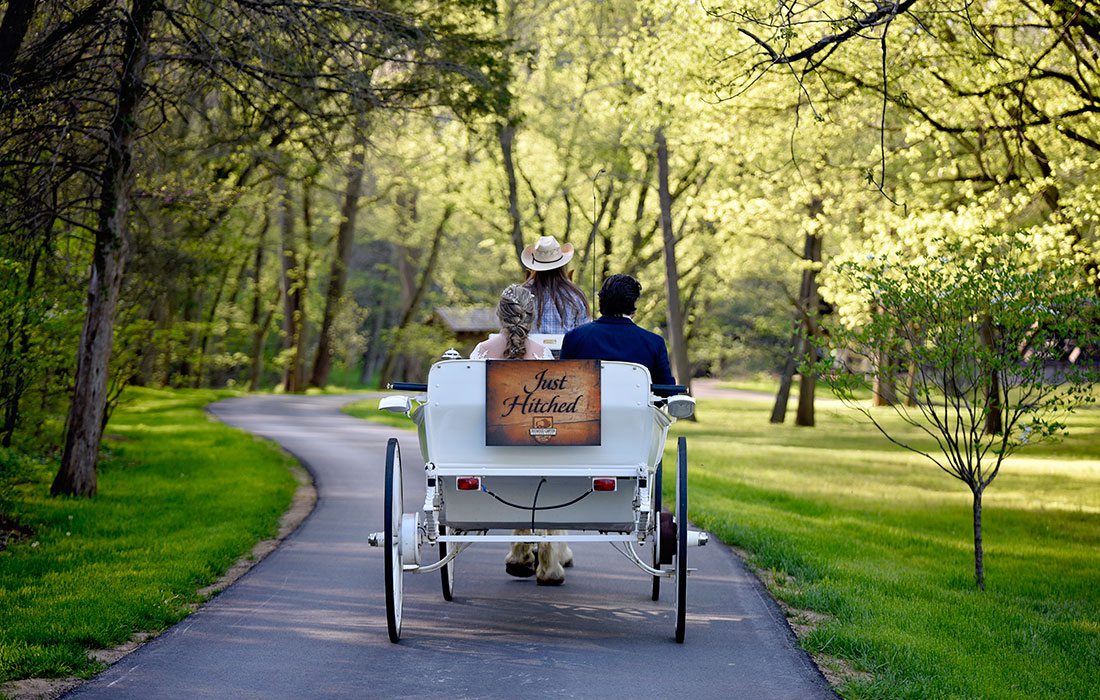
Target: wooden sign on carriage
{"x":542,"y":402}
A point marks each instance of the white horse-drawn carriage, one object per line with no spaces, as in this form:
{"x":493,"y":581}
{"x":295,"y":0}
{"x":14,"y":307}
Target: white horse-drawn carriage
{"x":517,"y":448}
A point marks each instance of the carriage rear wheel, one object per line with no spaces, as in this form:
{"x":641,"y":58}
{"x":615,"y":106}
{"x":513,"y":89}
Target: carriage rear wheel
{"x":392,"y":517}
{"x":656,"y":515}
{"x":681,"y":536}
{"x":447,"y":573}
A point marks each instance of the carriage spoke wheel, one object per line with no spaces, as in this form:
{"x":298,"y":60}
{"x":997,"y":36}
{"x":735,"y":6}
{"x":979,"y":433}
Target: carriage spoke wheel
{"x":394,"y":571}
{"x":656,"y":515}
{"x":681,"y":536}
{"x":447,"y":573}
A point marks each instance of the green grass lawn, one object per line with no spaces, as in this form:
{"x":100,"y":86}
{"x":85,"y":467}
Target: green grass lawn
{"x":877,"y":542}
{"x":766,"y":383}
{"x":763,"y":382}
{"x":181,"y":497}
{"x":368,"y":409}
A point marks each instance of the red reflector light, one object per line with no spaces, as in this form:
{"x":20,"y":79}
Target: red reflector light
{"x":469,"y":483}
{"x":603,"y":484}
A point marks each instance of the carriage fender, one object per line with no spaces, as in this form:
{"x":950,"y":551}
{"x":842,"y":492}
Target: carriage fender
{"x":661,"y":422}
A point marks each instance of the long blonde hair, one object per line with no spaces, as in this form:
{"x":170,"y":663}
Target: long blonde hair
{"x":516,"y":311}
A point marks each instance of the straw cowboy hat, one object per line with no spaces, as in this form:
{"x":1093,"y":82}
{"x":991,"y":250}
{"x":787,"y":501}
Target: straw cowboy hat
{"x":546,"y":254}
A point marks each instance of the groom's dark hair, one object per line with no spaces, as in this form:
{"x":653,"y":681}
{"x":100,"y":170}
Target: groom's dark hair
{"x":619,"y":295}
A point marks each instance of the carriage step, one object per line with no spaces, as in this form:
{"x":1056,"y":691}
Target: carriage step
{"x":375,"y":539}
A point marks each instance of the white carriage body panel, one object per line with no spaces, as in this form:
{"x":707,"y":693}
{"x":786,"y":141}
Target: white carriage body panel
{"x":632,"y":431}
{"x":452,"y":434}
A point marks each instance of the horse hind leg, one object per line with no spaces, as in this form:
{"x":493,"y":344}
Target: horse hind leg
{"x":550,"y":571}
{"x":520,"y":561}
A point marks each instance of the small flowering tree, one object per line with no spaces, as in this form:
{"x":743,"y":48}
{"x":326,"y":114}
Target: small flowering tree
{"x":996,"y":350}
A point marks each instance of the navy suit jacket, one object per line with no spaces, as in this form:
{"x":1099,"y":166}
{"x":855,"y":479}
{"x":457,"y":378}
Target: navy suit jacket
{"x":618,"y":338}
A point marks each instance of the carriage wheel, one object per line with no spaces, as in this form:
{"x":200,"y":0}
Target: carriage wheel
{"x":394,"y":571}
{"x":447,"y":573}
{"x":656,"y":515}
{"x":681,"y":536}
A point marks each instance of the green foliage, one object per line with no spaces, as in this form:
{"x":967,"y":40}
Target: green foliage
{"x":989,"y":336}
{"x":181,"y":497}
{"x":421,"y":345}
{"x":39,"y":328}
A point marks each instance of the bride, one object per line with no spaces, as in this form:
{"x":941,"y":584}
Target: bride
{"x":516,"y":312}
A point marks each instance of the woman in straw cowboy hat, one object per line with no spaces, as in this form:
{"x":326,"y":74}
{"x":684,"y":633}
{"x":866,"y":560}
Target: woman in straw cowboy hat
{"x":560,"y":305}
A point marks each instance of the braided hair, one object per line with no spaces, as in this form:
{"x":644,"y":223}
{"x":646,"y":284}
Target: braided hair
{"x":516,"y":311}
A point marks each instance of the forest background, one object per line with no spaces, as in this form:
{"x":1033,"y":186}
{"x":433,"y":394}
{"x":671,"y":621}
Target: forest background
{"x":274,"y":195}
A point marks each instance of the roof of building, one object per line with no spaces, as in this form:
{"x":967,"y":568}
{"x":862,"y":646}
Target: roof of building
{"x":473,"y":319}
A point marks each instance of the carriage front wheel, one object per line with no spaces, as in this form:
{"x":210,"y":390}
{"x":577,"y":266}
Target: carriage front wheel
{"x":394,"y":570}
{"x":681,"y":536}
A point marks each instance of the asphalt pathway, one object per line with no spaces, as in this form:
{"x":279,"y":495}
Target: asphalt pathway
{"x":309,"y":620}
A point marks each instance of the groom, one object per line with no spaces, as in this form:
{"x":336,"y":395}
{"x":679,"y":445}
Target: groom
{"x":614,"y":336}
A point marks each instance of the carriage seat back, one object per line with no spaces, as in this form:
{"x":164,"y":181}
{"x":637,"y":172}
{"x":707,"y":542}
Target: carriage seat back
{"x":632,"y":431}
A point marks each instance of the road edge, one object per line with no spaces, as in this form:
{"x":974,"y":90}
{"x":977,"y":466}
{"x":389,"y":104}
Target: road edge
{"x":302,"y":504}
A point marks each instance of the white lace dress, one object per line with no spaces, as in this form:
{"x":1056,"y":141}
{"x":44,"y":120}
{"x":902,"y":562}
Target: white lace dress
{"x":493,"y":349}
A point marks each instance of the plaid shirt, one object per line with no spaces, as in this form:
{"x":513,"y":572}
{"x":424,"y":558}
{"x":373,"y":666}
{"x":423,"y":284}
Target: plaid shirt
{"x":551,"y":322}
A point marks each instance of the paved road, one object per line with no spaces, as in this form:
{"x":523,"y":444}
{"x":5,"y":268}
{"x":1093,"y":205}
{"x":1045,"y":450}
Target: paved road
{"x":309,"y":620}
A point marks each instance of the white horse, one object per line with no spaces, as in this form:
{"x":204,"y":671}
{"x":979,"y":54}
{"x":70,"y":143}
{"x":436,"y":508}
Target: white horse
{"x":548,"y":566}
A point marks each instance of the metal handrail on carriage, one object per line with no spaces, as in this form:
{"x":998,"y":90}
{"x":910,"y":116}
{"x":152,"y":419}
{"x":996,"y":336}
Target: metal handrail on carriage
{"x":460,"y":508}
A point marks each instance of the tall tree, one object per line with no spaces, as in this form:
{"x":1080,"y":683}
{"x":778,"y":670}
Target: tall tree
{"x":77,"y":473}
{"x":680,"y":363}
{"x":809,"y":303}
{"x":293,"y":286}
{"x":338,"y":275}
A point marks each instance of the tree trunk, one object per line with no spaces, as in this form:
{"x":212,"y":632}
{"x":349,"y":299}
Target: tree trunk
{"x":883,"y":391}
{"x":608,"y":201}
{"x":910,"y":385}
{"x":183,"y":370}
{"x":779,"y":408}
{"x":305,"y":260}
{"x":388,"y":368}
{"x":608,"y":242}
{"x":680,"y":365}
{"x":994,"y":421}
{"x":807,"y":385}
{"x":809,"y":302}
{"x":13,"y":30}
{"x":994,"y":412}
{"x":979,"y":565}
{"x":292,"y":293}
{"x":338,"y":276}
{"x":372,"y":356}
{"x":507,"y":135}
{"x":208,"y":327}
{"x":161,"y":350}
{"x":77,"y":473}
{"x":259,"y":330}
